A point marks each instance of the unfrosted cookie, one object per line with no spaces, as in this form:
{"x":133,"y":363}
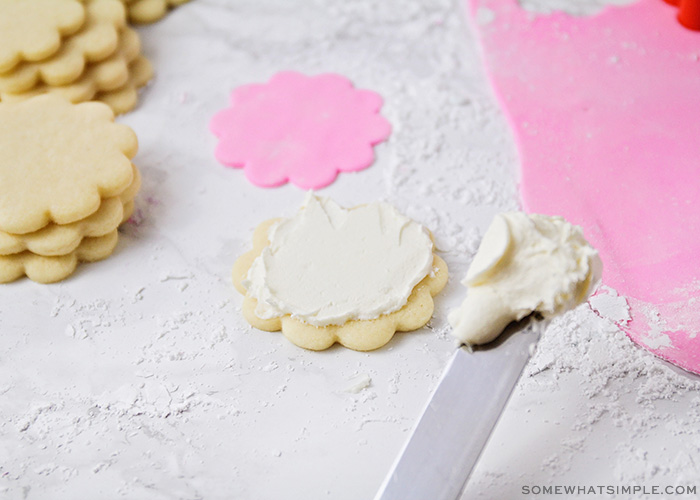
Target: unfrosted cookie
{"x":56,"y":239}
{"x":148,"y":11}
{"x":294,"y":309}
{"x":32,"y":30}
{"x":51,"y":269}
{"x":59,"y":160}
{"x":97,"y":40}
{"x":110,"y":74}
{"x":130,"y":192}
{"x":128,"y":211}
{"x":125,"y":98}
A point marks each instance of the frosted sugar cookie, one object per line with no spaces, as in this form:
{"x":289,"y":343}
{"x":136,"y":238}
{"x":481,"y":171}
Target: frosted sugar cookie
{"x":97,"y":40}
{"x":329,"y":274}
{"x":52,"y":269}
{"x":59,"y":160}
{"x":125,"y":98}
{"x":110,"y":74}
{"x":57,"y":239}
{"x":32,"y":30}
{"x":149,"y":11}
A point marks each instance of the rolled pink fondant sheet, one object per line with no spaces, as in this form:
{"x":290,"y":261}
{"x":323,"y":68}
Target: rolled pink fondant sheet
{"x":606,"y":114}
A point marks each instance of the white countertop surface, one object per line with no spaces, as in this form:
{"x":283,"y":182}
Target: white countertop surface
{"x":138,"y":378}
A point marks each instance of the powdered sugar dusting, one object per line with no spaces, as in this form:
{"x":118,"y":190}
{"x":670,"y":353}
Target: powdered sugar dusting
{"x":573,"y":7}
{"x":138,"y":377}
{"x":616,"y":411}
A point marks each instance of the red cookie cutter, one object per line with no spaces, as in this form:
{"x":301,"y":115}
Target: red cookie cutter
{"x":688,"y":12}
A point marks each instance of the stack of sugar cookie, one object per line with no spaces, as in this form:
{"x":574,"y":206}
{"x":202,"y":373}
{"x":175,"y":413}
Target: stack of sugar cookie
{"x":66,"y":184}
{"x":149,"y":11}
{"x":80,"y":50}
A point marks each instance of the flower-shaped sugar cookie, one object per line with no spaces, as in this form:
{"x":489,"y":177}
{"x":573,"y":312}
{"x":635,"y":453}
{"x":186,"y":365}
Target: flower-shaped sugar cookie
{"x":97,"y":39}
{"x":52,"y":269}
{"x":107,"y":75}
{"x":32,"y":30}
{"x":59,"y":160}
{"x":299,"y":129}
{"x":330,"y":274}
{"x":55,"y":239}
{"x":149,"y":11}
{"x":125,"y":98}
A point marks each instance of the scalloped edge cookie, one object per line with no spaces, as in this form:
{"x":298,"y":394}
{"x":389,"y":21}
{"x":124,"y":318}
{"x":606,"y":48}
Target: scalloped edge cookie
{"x":32,"y":30}
{"x":108,"y":75}
{"x":126,"y":98}
{"x":98,"y":39}
{"x":75,"y":156}
{"x":359,"y":335}
{"x":150,"y":11}
{"x":52,"y":269}
{"x":55,"y":239}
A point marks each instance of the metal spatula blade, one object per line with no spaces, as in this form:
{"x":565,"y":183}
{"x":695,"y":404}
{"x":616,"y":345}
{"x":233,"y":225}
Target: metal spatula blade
{"x":450,"y":435}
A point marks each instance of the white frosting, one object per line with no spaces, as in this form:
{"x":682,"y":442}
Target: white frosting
{"x":327,"y":264}
{"x":525,"y":264}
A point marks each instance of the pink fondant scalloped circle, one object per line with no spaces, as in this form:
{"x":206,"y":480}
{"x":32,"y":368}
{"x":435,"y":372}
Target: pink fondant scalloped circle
{"x":299,"y":129}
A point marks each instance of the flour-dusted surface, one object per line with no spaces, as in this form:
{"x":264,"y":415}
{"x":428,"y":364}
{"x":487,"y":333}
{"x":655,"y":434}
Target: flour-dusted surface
{"x":138,"y":378}
{"x":572,"y":7}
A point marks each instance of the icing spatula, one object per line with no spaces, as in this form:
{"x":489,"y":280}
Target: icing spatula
{"x":455,"y":426}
